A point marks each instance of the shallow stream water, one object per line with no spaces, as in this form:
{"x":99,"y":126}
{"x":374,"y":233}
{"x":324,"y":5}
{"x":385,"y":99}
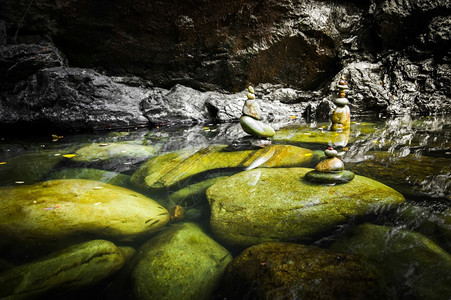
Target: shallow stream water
{"x":410,"y":155}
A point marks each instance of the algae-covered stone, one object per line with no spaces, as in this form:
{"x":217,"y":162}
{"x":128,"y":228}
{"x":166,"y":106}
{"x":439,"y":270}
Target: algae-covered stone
{"x":113,"y":156}
{"x":417,"y":267}
{"x":72,"y":268}
{"x":91,"y":174}
{"x":180,"y":263}
{"x":28,"y":168}
{"x":62,"y":209}
{"x":193,"y":194}
{"x":256,"y":127}
{"x":174,"y":168}
{"x":293,"y":271}
{"x":279,"y":204}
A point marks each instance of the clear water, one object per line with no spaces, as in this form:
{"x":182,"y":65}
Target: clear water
{"x":411,"y":155}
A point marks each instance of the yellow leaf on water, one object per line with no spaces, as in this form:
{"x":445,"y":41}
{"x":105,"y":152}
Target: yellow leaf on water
{"x":69,"y":155}
{"x":2,"y":162}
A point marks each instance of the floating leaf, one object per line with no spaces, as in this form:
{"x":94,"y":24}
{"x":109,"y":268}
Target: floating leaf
{"x":3,"y":163}
{"x":69,"y":155}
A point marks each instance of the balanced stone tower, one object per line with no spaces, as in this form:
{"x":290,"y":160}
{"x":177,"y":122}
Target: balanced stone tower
{"x":250,"y":119}
{"x":330,"y":170}
{"x":341,"y":117}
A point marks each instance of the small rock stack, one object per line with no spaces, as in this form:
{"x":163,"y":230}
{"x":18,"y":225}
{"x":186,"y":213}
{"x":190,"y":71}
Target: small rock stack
{"x":341,"y":117}
{"x":250,"y":119}
{"x":330,"y":170}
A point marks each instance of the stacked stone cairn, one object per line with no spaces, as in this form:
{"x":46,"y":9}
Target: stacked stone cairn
{"x":250,"y":119}
{"x":330,"y":170}
{"x":341,"y":117}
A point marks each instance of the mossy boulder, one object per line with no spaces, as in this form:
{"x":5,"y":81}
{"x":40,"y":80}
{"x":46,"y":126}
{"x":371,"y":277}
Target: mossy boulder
{"x":412,"y":175}
{"x":28,"y":168}
{"x":193,"y":194}
{"x":279,"y":204}
{"x":417,"y":267}
{"x":91,"y":174}
{"x":61,"y":210}
{"x":113,"y":156}
{"x":180,"y":263}
{"x":293,"y":271}
{"x":175,"y":168}
{"x":67,"y":270}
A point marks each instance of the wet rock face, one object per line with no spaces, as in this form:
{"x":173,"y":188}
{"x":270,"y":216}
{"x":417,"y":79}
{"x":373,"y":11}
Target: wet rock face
{"x":202,"y":44}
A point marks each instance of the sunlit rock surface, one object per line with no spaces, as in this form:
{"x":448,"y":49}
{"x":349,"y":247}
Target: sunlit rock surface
{"x":180,"y":263}
{"x":174,"y":168}
{"x":293,"y":271}
{"x":413,"y":263}
{"x":279,"y":204}
{"x":64,"y":271}
{"x":113,"y":156}
{"x":60,"y":211}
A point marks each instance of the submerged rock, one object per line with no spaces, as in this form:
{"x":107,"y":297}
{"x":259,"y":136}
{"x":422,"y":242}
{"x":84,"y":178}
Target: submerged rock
{"x":180,"y":263}
{"x":175,"y":168}
{"x":113,"y":156}
{"x":415,"y":265}
{"x":28,"y":168}
{"x":278,"y":205}
{"x":293,"y":271}
{"x":113,"y":178}
{"x":60,"y":211}
{"x":65,"y":271}
{"x":414,"y":176}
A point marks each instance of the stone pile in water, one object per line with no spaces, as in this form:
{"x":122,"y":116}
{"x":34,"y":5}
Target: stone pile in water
{"x":341,"y":117}
{"x":330,"y":170}
{"x":250,"y":120}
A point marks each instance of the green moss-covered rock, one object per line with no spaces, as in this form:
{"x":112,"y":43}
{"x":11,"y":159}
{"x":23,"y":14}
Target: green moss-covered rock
{"x":180,"y":263}
{"x":256,"y":127}
{"x":417,"y":267}
{"x":91,"y":174}
{"x":305,"y":135}
{"x":411,"y":175}
{"x":72,"y":268}
{"x":59,"y":210}
{"x":113,"y":156}
{"x":28,"y":168}
{"x":293,"y":271}
{"x":330,"y":178}
{"x":174,"y":168}
{"x":279,"y":204}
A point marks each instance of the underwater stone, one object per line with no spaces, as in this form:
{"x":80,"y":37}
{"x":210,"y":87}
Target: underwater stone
{"x":294,"y":271}
{"x":175,"y":168}
{"x":266,"y":204}
{"x":416,"y":266}
{"x":91,"y":174}
{"x":67,"y":270}
{"x":60,"y":211}
{"x":181,"y":262}
{"x":256,"y":127}
{"x":112,"y":156}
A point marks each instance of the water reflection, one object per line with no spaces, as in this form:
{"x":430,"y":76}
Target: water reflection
{"x":411,"y":155}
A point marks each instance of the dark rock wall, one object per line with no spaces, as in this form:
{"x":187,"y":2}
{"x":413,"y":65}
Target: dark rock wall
{"x":395,"y":53}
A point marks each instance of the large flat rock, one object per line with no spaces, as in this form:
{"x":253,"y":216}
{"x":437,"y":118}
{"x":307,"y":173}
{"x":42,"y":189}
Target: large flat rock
{"x":63,"y":209}
{"x":278,"y":204}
